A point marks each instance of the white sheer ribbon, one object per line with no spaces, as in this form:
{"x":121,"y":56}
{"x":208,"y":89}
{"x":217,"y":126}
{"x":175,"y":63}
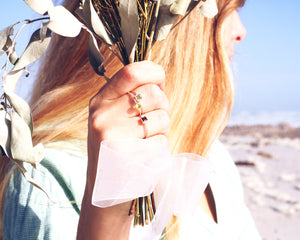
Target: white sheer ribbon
{"x":132,"y":168}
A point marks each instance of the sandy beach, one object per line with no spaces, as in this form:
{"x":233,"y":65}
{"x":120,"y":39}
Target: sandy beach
{"x":268,"y":159}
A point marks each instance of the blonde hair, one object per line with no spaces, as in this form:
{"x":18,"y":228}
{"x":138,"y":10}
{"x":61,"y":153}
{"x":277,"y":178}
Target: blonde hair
{"x":198,"y":76}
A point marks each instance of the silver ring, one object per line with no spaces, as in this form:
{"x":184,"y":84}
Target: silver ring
{"x":137,"y":97}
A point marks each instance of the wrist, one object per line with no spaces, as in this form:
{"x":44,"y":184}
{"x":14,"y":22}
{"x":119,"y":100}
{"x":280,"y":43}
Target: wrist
{"x":104,"y":223}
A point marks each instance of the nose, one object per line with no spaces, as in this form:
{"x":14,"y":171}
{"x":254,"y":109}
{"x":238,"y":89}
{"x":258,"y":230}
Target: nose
{"x":239,"y":31}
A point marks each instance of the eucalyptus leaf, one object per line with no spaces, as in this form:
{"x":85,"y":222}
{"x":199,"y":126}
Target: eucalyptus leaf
{"x":164,"y":24}
{"x":20,"y":166}
{"x":5,"y":125}
{"x":1,"y":53}
{"x":10,"y":80}
{"x":44,"y":31}
{"x":179,"y":7}
{"x":21,"y":107}
{"x":10,"y":51}
{"x":39,"y":153}
{"x":95,"y":57}
{"x":4,"y":35}
{"x":34,"y":50}
{"x":128,"y":11}
{"x":63,"y":22}
{"x":39,"y":6}
{"x":209,"y":8}
{"x":88,"y":14}
{"x":13,"y":58}
{"x":7,"y":44}
{"x":164,"y":3}
{"x":20,"y":140}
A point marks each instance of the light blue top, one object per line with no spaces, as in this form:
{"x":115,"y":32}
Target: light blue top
{"x":28,"y":214}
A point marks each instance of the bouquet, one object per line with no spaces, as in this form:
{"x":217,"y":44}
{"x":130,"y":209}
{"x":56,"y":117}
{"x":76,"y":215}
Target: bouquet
{"x":128,"y":27}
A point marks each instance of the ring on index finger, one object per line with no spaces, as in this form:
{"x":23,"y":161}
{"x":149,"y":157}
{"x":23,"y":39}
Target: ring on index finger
{"x":137,"y":97}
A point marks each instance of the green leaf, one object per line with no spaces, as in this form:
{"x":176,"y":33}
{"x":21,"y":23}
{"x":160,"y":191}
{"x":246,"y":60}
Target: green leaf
{"x":179,"y":7}
{"x":63,"y":22}
{"x":20,"y":166}
{"x":169,"y":10}
{"x":44,"y":30}
{"x":164,"y":23}
{"x":34,"y":50}
{"x":209,"y":8}
{"x":21,"y":107}
{"x":1,"y":53}
{"x":11,"y":79}
{"x":20,"y":140}
{"x":95,"y":57}
{"x":5,"y":126}
{"x":39,"y":6}
{"x":13,"y":58}
{"x":4,"y":35}
{"x":39,"y":153}
{"x":7,"y":45}
{"x":129,"y":25}
{"x":88,"y":14}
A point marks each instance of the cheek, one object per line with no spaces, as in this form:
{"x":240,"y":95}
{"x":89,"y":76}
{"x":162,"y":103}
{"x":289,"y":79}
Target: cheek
{"x":228,"y":40}
{"x":228,"y":34}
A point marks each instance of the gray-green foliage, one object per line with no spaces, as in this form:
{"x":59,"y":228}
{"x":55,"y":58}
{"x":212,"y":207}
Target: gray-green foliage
{"x":16,"y":126}
{"x":4,"y":35}
{"x":39,"y":6}
{"x":88,"y":14}
{"x":129,"y":24}
{"x":95,"y":57}
{"x":34,"y":50}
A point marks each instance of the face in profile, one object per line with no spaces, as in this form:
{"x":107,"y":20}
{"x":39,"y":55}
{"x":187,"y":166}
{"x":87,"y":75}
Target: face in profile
{"x":234,"y":32}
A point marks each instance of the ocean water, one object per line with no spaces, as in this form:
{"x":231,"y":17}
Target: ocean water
{"x":265,"y":117}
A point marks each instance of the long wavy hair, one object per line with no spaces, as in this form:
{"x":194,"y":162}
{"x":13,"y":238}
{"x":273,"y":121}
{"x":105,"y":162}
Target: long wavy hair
{"x":199,"y":86}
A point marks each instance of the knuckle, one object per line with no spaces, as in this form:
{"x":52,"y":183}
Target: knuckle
{"x":154,"y":91}
{"x":156,"y":95}
{"x":98,"y":126}
{"x":95,"y":102}
{"x":97,"y":115}
{"x":95,"y":120}
{"x":92,"y":103}
{"x":129,"y":73}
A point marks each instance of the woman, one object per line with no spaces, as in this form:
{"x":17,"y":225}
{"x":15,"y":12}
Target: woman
{"x":191,"y":68}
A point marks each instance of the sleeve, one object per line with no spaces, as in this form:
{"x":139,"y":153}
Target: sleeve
{"x":27,"y":212}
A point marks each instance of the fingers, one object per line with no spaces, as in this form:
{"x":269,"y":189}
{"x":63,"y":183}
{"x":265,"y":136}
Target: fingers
{"x":112,"y":112}
{"x":157,"y":124}
{"x":153,"y":98}
{"x":131,"y":77}
{"x":118,"y":127}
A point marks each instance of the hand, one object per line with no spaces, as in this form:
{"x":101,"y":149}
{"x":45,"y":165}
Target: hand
{"x":112,"y":116}
{"x":111,"y":110}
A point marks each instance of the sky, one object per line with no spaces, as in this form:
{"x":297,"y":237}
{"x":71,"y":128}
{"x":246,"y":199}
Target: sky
{"x":266,"y":65}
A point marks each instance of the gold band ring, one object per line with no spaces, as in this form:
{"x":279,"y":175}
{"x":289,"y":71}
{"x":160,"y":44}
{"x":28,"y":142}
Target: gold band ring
{"x":144,"y":120}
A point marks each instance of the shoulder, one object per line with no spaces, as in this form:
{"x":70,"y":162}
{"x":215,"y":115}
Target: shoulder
{"x":225,"y":171}
{"x":27,"y":207}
